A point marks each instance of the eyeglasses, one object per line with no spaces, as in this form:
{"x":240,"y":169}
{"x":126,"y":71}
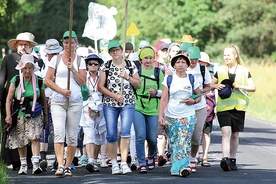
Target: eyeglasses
{"x":91,"y":64}
{"x":66,"y":43}
{"x":23,"y":44}
{"x":114,"y":50}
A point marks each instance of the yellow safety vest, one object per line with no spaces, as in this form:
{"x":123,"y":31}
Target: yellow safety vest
{"x":237,"y":100}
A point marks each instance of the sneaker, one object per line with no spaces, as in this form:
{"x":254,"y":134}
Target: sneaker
{"x":36,"y":169}
{"x":23,"y":169}
{"x":233,"y":165}
{"x":192,"y":166}
{"x":96,"y":167}
{"x":67,"y":171}
{"x":142,"y":169}
{"x":90,"y":167}
{"x":116,"y":169}
{"x":161,"y":160}
{"x":75,"y":161}
{"x":128,"y":159}
{"x":168,"y":155}
{"x":119,"y":158}
{"x":60,"y":171}
{"x":84,"y":160}
{"x":104,"y":164}
{"x":125,"y":169}
{"x":151,"y":165}
{"x":43,"y":165}
{"x":54,"y":165}
{"x":133,"y":165}
{"x":184,"y":172}
{"x":108,"y":162}
{"x":174,"y":174}
{"x":225,"y":164}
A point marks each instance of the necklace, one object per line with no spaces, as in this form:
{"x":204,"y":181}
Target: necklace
{"x":95,"y":83}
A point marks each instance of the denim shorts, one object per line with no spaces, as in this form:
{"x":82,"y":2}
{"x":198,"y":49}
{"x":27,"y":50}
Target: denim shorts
{"x":112,"y":114}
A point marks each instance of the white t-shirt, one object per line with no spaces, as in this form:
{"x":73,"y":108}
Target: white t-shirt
{"x":197,"y":73}
{"x":180,"y":89}
{"x":61,"y":81}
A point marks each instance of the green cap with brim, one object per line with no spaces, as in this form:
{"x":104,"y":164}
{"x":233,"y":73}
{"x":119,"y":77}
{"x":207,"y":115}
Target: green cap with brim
{"x":194,"y":52}
{"x":185,"y":46}
{"x":113,"y":44}
{"x":67,"y":34}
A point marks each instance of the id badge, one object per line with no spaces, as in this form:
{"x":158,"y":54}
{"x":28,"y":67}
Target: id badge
{"x":95,"y":96}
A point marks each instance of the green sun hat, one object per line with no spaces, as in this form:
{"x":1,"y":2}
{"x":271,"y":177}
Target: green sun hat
{"x":194,"y":52}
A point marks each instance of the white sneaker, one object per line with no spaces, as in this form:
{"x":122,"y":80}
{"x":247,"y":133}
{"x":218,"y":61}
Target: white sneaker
{"x":125,"y":169}
{"x":116,"y":169}
{"x":23,"y":169}
{"x":36,"y":169}
{"x":103,"y":164}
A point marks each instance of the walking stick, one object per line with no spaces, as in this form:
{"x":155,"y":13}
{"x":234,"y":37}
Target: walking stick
{"x":124,"y":46}
{"x":70,"y":41}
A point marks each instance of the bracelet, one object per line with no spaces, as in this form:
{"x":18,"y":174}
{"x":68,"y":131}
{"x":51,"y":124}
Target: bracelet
{"x":128,"y":78}
{"x":195,"y":101}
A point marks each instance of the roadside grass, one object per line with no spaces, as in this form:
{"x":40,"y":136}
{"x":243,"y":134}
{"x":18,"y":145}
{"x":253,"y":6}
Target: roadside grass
{"x":3,"y":174}
{"x":262,"y":103}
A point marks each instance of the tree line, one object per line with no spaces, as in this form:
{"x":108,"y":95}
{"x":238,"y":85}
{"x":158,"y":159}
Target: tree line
{"x":248,"y":24}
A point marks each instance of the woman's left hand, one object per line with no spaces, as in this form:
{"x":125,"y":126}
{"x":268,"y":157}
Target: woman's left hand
{"x":70,"y":66}
{"x":152,"y":92}
{"x":188,"y":101}
{"x":123,"y":74}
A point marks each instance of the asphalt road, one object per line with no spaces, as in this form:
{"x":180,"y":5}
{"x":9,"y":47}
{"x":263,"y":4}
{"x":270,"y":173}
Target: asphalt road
{"x":256,"y":160}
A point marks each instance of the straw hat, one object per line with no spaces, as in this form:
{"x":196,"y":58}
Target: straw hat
{"x":204,"y":57}
{"x":187,"y":38}
{"x":26,"y":36}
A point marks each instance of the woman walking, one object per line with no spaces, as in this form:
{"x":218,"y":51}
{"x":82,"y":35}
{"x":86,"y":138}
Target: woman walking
{"x":180,"y":113}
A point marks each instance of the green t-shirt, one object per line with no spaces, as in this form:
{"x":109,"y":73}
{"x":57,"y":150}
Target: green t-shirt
{"x":29,"y":90}
{"x":151,"y":106}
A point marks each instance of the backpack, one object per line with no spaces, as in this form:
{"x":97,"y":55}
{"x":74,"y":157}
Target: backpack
{"x":156,"y":76}
{"x":191,"y":79}
{"x":107,"y":67}
{"x":202,"y":71}
{"x":59,"y":58}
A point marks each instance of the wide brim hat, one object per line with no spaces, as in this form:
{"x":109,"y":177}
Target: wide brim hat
{"x":227,"y":90}
{"x":26,"y":36}
{"x":27,"y":58}
{"x":94,"y":56}
{"x":187,"y":38}
{"x":174,"y":59}
{"x":52,"y":47}
{"x":204,"y":57}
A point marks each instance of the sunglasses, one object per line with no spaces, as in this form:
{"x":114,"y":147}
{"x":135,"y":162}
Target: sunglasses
{"x":91,"y":64}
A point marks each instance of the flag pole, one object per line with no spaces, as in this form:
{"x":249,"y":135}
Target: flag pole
{"x":124,"y":46}
{"x":70,"y":42}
